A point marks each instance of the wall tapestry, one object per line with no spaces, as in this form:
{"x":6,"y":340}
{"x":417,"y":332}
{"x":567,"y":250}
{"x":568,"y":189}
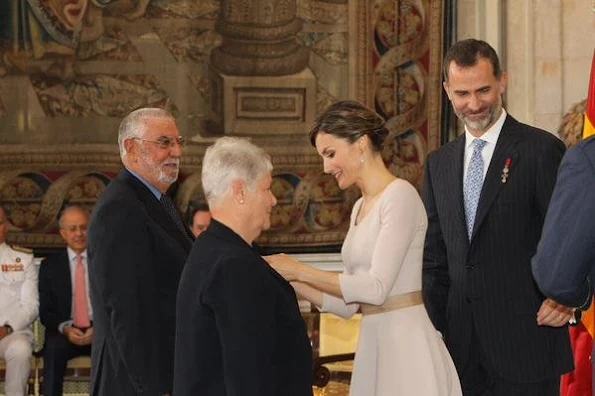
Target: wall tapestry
{"x":71,"y":69}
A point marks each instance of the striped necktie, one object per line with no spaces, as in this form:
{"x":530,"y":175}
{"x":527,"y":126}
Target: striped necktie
{"x":172,"y":211}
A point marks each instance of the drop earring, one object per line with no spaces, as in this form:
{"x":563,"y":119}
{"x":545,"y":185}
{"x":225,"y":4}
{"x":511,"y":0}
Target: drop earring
{"x":362,"y":159}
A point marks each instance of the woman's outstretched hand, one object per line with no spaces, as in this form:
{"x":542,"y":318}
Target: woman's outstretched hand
{"x":285,"y":265}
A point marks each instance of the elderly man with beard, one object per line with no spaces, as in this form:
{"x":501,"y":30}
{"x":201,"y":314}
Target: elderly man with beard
{"x":486,"y":196}
{"x":137,"y":247}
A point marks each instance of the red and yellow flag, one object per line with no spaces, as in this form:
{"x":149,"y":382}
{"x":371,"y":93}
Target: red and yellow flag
{"x":589,"y":127}
{"x":588,"y":317}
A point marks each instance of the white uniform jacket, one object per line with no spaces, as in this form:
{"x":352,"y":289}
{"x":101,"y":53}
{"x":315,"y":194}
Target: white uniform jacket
{"x":19,"y":298}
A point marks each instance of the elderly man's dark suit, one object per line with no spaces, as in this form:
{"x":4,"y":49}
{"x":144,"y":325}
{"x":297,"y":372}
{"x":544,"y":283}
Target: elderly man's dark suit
{"x":136,"y":256}
{"x":239,"y":329}
{"x":481,"y":293}
{"x":55,"y":307}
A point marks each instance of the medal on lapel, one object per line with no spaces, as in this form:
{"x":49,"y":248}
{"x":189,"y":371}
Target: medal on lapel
{"x":506,"y":170}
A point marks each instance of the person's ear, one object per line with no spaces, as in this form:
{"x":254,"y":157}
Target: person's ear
{"x":503,"y":82}
{"x":130,"y":146}
{"x":363,"y":143}
{"x":63,"y":233}
{"x":238,"y":188}
{"x":446,"y":89}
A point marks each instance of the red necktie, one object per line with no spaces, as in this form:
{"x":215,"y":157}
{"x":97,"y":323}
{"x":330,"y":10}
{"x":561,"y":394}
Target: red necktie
{"x":81,"y":310}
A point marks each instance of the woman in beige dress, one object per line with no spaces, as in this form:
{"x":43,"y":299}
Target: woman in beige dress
{"x":399,"y":351}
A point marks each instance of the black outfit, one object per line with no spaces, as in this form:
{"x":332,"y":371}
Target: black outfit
{"x":480,"y":293}
{"x":55,"y":307}
{"x":136,"y":255}
{"x":239,"y":330}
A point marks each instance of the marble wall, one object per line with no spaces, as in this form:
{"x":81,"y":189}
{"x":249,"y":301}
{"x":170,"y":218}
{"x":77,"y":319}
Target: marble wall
{"x":545,"y":45}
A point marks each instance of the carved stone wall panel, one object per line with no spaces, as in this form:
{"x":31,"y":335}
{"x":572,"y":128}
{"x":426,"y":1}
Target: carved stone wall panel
{"x":263,"y":105}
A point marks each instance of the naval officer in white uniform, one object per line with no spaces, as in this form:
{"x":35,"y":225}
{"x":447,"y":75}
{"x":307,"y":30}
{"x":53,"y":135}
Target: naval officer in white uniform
{"x":19,"y":304}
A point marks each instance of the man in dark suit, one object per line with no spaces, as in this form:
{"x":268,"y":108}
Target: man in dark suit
{"x":564,"y":265}
{"x":239,"y":330}
{"x":64,"y":303}
{"x":486,"y":195}
{"x":137,"y":248}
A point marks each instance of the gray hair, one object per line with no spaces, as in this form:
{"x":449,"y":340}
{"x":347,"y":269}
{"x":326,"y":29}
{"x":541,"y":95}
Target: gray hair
{"x":135,"y":125}
{"x":230,"y":159}
{"x":68,"y":209}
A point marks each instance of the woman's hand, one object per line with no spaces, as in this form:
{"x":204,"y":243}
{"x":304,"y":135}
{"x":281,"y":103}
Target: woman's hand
{"x":287,"y":266}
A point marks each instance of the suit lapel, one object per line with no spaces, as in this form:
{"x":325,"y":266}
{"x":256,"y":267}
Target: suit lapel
{"x":505,"y":149}
{"x":156,"y":210}
{"x":453,"y":181}
{"x":65,"y":278}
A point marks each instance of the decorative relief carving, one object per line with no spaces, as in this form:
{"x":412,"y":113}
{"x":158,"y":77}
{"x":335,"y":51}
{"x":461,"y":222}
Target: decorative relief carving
{"x":114,"y":45}
{"x":271,"y":104}
{"x":399,"y":84}
{"x":107,"y":95}
{"x":238,"y":65}
{"x":262,"y":105}
{"x":257,"y":32}
{"x":259,"y":39}
{"x":190,"y":44}
{"x":191,"y":9}
{"x":332,"y":47}
{"x":33,"y":199}
{"x":270,"y":12}
{"x":325,"y":12}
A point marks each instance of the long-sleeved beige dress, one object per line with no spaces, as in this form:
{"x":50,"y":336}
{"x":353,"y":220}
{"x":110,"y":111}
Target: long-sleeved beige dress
{"x":399,"y":352}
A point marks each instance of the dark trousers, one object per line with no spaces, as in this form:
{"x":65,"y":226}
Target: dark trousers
{"x":480,"y":378}
{"x":57,"y":351}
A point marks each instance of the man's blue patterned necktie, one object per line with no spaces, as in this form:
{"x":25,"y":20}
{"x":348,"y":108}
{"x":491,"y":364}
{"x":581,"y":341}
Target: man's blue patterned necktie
{"x":473,"y":184}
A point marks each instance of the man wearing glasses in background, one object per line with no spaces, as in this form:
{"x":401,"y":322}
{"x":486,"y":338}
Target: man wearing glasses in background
{"x":64,"y":303}
{"x":138,"y":244}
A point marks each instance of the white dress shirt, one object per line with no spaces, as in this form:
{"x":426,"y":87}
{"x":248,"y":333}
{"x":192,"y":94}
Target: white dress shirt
{"x":491,"y":137}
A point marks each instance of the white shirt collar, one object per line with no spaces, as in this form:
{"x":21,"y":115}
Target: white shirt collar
{"x":491,"y":135}
{"x":72,"y":254}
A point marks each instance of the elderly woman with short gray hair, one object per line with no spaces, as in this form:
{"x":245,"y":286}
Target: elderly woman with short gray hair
{"x":239,"y":329}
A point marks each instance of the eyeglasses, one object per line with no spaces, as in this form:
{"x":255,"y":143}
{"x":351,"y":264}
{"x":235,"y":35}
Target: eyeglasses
{"x":165,"y":142}
{"x":74,"y":228}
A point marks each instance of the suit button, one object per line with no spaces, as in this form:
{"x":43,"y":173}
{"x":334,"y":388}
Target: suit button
{"x":470,"y":266}
{"x":467,"y":300}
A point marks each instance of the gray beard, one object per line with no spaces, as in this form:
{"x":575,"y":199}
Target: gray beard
{"x":163,"y":178}
{"x":484,"y":124}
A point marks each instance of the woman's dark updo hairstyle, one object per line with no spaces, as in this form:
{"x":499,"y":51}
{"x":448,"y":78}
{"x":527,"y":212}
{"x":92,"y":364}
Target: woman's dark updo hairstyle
{"x":350,"y":120}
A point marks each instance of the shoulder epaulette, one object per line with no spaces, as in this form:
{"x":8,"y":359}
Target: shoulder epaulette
{"x":22,"y":249}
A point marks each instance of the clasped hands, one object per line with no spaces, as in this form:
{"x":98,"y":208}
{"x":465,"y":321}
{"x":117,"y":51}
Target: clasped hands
{"x":77,"y":336}
{"x":553,"y":314}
